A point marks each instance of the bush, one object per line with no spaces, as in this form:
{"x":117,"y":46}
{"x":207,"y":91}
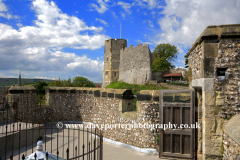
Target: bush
{"x":82,"y":82}
{"x":77,"y":82}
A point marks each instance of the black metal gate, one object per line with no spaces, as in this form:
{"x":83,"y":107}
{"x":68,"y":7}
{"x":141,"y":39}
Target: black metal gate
{"x":177,"y":109}
{"x":20,"y":130}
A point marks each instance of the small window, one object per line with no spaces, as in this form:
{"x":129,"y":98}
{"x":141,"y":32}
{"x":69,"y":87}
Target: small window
{"x":221,"y":71}
{"x":115,"y":74}
{"x":107,"y":59}
{"x":106,"y":73}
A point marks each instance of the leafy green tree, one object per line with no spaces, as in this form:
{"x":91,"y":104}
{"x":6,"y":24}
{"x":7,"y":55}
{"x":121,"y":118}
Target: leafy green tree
{"x":40,"y":88}
{"x":77,"y":82}
{"x":164,"y":54}
{"x":80,"y":81}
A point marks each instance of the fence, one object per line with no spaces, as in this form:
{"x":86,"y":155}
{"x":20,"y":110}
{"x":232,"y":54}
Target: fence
{"x":19,"y":135}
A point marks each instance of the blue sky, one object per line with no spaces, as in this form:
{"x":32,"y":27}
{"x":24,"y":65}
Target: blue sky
{"x":51,"y":39}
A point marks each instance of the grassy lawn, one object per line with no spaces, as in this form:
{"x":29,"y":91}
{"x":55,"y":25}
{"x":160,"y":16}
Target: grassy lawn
{"x":135,"y":88}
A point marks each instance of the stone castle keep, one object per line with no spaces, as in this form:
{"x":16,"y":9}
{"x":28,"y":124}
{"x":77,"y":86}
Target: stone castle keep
{"x":131,"y":65}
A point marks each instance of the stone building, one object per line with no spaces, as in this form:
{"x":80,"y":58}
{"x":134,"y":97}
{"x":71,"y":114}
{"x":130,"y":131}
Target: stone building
{"x":131,"y":65}
{"x":215,"y":73}
{"x":112,"y":60}
{"x":135,"y":64}
{"x":173,"y":76}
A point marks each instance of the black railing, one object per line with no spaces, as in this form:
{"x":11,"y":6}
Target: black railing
{"x":66,"y":140}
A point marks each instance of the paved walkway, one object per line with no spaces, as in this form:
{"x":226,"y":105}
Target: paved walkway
{"x":110,"y":151}
{"x":114,"y":152}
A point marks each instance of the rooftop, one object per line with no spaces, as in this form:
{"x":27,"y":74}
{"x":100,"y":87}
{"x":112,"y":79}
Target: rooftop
{"x":172,"y":75}
{"x":217,"y":32}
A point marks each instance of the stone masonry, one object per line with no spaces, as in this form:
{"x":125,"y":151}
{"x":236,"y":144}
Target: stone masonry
{"x":135,"y":64}
{"x":112,"y":60}
{"x":215,"y":66}
{"x":110,"y":106}
{"x":231,"y":139}
{"x":131,"y":65}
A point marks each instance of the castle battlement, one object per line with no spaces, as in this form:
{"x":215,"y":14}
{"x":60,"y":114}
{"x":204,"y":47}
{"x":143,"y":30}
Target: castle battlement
{"x":138,"y":46}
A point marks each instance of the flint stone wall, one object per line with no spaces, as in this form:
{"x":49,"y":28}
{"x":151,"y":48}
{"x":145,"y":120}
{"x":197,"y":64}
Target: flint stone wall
{"x":214,"y":62}
{"x":231,"y":141}
{"x":3,"y":90}
{"x":112,"y":107}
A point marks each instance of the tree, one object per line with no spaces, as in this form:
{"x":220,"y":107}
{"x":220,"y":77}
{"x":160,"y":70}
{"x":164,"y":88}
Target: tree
{"x":82,"y":82}
{"x":186,"y":60}
{"x":164,"y":54}
{"x":40,"y":87}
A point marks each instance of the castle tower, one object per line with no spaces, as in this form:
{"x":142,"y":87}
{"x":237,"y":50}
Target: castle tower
{"x":19,"y":79}
{"x":112,"y":60}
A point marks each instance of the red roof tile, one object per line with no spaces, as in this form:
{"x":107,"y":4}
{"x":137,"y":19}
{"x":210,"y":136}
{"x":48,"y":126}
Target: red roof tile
{"x":172,"y":75}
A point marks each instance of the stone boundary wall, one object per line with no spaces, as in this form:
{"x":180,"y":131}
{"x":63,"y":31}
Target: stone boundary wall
{"x":157,"y":76}
{"x":3,"y":93}
{"x":231,"y":148}
{"x":231,"y":139}
{"x":111,"y":106}
{"x":195,"y":62}
{"x":22,"y":100}
{"x":4,"y":90}
{"x":2,"y":99}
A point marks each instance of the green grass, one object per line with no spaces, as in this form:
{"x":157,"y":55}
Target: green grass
{"x":222,"y":148}
{"x":157,"y":138}
{"x":134,"y":87}
{"x":177,"y":84}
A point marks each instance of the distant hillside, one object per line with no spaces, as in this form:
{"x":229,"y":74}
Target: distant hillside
{"x":11,"y":81}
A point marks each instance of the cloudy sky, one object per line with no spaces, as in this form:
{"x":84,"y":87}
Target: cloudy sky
{"x":63,"y":38}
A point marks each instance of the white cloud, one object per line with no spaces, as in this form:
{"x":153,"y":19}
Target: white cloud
{"x":19,"y":25}
{"x":184,"y":21}
{"x":41,"y":77}
{"x":39,"y":47}
{"x":102,"y":21}
{"x":114,"y":15}
{"x":182,"y":62}
{"x":125,"y":6}
{"x":4,"y":76}
{"x":150,"y":4}
{"x":4,"y":12}
{"x":103,"y":6}
{"x":150,"y":24}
